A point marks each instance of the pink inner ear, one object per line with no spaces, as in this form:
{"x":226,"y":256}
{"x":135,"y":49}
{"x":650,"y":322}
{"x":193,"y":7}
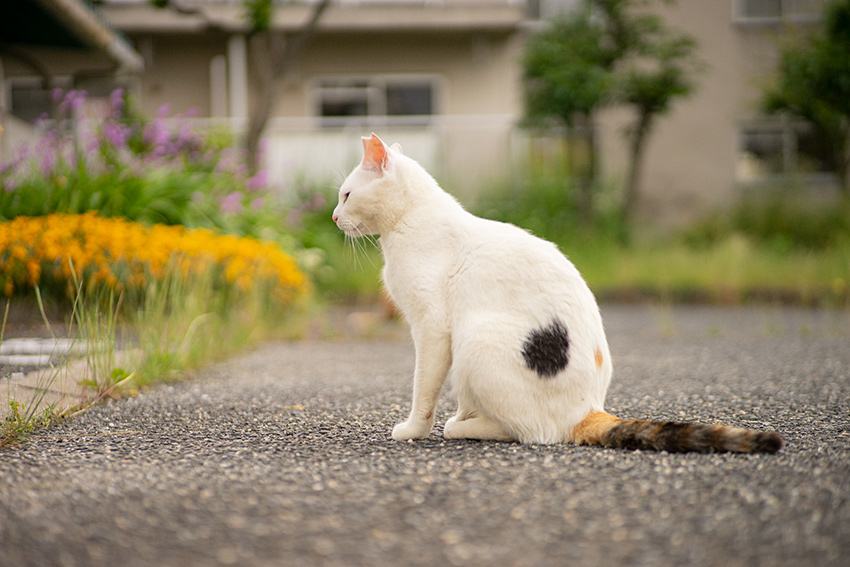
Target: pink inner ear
{"x":374,"y":153}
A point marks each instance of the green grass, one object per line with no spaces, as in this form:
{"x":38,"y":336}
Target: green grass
{"x":733,"y":270}
{"x":175,"y":327}
{"x":769,"y":251}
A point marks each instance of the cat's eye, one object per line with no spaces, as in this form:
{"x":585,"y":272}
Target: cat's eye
{"x":345,"y":196}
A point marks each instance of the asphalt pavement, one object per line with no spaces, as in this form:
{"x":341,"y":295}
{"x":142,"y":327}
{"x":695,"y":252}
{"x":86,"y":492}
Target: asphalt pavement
{"x":283,"y":456}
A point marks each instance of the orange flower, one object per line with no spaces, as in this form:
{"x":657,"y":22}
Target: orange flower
{"x":120,"y":254}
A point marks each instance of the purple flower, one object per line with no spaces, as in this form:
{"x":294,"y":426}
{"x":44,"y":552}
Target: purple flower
{"x":231,"y":203}
{"x":157,"y":135}
{"x":259,"y":181}
{"x":225,"y":161}
{"x":116,"y":134}
{"x":185,"y":137}
{"x":164,"y":110}
{"x":293,"y":218}
{"x":79,"y":100}
{"x":92,"y":143}
{"x":257,"y":203}
{"x":116,"y":102}
{"x":318,"y":202}
{"x":72,"y":101}
{"x":48,"y":162}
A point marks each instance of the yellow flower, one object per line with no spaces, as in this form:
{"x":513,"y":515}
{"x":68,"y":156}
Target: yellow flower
{"x":121,"y":254}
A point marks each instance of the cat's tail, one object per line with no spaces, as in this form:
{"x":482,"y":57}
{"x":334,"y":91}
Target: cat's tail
{"x":602,"y":428}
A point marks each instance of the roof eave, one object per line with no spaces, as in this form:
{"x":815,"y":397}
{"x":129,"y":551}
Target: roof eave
{"x":94,"y":31}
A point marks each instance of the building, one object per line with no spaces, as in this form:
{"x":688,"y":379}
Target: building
{"x":443,"y":78}
{"x":716,"y":146}
{"x":47,"y":44}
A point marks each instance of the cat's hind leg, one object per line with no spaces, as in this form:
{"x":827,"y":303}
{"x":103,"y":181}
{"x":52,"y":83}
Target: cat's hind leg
{"x":480,"y":427}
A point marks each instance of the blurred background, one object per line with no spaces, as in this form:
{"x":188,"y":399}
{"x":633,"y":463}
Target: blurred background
{"x":685,"y":150}
{"x":168,"y":168}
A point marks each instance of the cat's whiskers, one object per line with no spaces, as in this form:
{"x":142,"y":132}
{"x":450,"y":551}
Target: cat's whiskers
{"x":358,"y":246}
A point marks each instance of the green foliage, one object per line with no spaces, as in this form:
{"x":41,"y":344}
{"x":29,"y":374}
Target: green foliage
{"x":607,"y":53}
{"x":258,"y":13}
{"x":758,"y":251}
{"x":781,"y":224}
{"x":547,"y":202}
{"x":661,"y":69}
{"x":21,"y":420}
{"x":567,"y":68}
{"x":814,"y":83}
{"x":160,"y":171}
{"x":345,"y":269}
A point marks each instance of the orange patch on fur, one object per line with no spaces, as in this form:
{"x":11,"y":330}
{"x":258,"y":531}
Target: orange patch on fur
{"x":598,"y":358}
{"x":590,"y":430}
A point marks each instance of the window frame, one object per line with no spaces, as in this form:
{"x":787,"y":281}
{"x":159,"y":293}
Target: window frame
{"x":63,"y":82}
{"x":374,"y":91}
{"x":789,"y":133}
{"x":787,"y":13}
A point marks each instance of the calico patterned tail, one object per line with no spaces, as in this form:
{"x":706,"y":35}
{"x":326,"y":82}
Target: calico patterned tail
{"x":601,"y":428}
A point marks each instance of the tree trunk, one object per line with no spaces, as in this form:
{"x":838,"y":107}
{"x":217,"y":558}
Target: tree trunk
{"x":262,"y":50}
{"x":843,"y":165}
{"x":273,"y":56}
{"x":631,"y":192}
{"x":582,"y":162}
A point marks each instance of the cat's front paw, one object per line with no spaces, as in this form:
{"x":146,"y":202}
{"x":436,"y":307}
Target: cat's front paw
{"x":411,"y":430}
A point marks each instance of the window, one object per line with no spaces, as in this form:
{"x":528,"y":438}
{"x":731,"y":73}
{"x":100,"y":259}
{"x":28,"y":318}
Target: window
{"x":546,"y":9}
{"x":343,"y":102}
{"x":30,"y":101}
{"x":770,"y":150}
{"x":774,"y":11}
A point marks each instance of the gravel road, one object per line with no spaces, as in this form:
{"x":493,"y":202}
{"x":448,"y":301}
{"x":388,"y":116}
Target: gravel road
{"x":283,"y":457}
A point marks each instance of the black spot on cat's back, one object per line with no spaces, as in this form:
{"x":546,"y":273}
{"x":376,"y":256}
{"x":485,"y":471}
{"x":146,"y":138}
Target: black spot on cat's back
{"x":547,"y":350}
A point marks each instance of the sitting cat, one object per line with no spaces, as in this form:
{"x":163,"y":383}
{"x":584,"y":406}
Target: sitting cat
{"x":505,"y":316}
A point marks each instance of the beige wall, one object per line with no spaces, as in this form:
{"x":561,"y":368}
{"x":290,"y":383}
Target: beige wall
{"x":177,"y":71}
{"x":478,"y":97}
{"x":477,"y":101}
{"x":691,"y":157}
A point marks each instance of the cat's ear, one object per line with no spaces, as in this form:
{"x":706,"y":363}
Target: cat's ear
{"x":397,"y":147}
{"x":375,"y":154}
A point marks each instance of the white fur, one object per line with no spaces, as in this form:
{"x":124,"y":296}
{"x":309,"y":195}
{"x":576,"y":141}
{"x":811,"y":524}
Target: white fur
{"x":472,"y":290}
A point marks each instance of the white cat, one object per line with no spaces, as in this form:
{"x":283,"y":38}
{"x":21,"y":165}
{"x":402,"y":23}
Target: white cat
{"x":502,"y":314}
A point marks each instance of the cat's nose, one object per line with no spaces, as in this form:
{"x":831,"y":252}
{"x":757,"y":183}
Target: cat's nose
{"x":336,"y":218}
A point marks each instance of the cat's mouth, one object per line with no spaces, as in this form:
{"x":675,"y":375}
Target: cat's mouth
{"x":353,"y":230}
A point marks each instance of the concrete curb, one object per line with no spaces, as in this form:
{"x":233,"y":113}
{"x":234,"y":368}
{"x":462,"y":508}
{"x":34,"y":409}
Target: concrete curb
{"x":55,"y":372}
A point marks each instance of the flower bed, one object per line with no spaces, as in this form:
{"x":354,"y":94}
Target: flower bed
{"x":60,"y":249}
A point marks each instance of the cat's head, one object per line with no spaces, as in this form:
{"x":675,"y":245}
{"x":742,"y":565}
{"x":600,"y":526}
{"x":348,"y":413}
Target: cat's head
{"x":372,"y":198}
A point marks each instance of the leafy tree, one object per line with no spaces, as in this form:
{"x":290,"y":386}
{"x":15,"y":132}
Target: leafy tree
{"x":659,"y":67}
{"x":814,"y":84}
{"x":606,"y":53}
{"x":568,"y":77}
